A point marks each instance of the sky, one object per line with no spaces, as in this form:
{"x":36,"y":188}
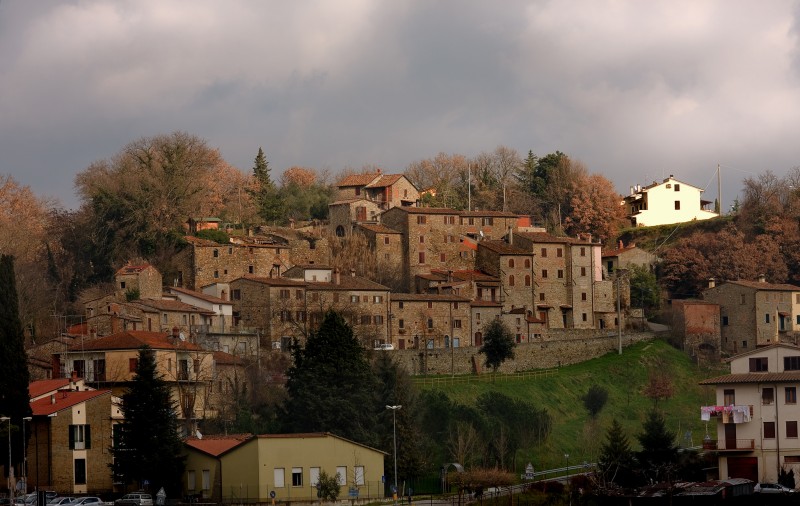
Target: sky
{"x":634,"y":90}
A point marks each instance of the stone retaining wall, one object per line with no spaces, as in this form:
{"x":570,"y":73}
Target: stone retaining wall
{"x":572,"y":347}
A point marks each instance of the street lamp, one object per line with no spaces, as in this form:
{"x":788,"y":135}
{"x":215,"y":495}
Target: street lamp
{"x":10,"y":490}
{"x":394,"y":437}
{"x":25,"y":455}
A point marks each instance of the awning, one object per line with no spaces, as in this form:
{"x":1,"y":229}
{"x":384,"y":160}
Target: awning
{"x":565,"y":306}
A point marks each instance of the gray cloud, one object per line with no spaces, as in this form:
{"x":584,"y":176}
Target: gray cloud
{"x":635,"y":90}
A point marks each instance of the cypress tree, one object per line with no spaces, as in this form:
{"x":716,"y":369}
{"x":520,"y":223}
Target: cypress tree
{"x":268,"y":200}
{"x":14,"y":401}
{"x":147,"y":445}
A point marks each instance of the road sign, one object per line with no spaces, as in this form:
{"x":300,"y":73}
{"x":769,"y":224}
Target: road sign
{"x":353,"y":492}
{"x":272,"y":494}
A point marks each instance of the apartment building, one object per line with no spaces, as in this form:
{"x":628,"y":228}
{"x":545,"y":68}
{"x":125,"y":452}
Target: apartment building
{"x":756,"y":414}
{"x":429,"y":321}
{"x":666,"y":202}
{"x":513,"y":267}
{"x":755,"y":313}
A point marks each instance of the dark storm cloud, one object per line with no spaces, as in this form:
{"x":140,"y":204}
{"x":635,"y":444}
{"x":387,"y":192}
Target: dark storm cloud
{"x":635,"y":90}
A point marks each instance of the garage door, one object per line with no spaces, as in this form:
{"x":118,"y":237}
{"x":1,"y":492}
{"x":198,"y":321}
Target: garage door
{"x":743,"y":467}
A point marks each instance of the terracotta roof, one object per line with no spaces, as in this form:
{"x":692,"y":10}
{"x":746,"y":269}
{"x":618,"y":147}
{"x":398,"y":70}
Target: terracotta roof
{"x":488,"y":214}
{"x":503,"y":248}
{"x":240,"y":243}
{"x":385,"y":180}
{"x":426,"y":210}
{"x":199,"y":295}
{"x":347,"y":202}
{"x":468,"y":275}
{"x":306,"y":267}
{"x":616,"y":252}
{"x":667,"y":180}
{"x":41,"y":387}
{"x":169,"y":305}
{"x":133,"y":340}
{"x":544,"y":237}
{"x":761,"y":349}
{"x":378,"y":228}
{"x":431,"y":297}
{"x":309,"y":435}
{"x":358,"y":179}
{"x":220,"y":357}
{"x":484,"y":303}
{"x":755,"y":377}
{"x":272,"y":281}
{"x":758,"y":285}
{"x":63,"y":400}
{"x":132,"y":269}
{"x":215,"y":445}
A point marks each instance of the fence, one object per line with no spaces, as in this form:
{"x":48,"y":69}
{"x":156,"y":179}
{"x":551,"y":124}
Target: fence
{"x":490,"y":378}
{"x":306,"y":493}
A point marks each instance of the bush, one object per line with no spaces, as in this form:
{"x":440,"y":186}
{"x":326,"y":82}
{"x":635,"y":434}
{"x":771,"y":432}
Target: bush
{"x":218,"y":236}
{"x":595,"y":399}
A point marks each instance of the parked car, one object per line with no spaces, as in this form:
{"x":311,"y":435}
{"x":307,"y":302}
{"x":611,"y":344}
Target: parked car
{"x":27,"y":499}
{"x":58,"y":501}
{"x":772,"y":488}
{"x":135,"y":499}
{"x":86,"y":501}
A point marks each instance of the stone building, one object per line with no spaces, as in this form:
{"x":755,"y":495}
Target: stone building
{"x":137,"y":281}
{"x":482,"y":312}
{"x":204,"y":262}
{"x":755,"y":313}
{"x":697,"y":324}
{"x":70,"y":433}
{"x":386,"y":190}
{"x":344,"y":215}
{"x":623,"y":257}
{"x":106,"y":315}
{"x":385,"y":243}
{"x":513,"y":267}
{"x":430,"y":321}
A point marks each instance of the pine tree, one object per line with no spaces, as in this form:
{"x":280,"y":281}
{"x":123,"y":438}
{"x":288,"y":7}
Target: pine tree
{"x":148,"y":446}
{"x":14,"y":402}
{"x":498,"y":344}
{"x":330,"y":385}
{"x":616,"y":460}
{"x":266,"y":195}
{"x":659,"y":454}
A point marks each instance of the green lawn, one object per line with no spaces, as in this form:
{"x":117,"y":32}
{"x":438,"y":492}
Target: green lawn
{"x":625,"y":377}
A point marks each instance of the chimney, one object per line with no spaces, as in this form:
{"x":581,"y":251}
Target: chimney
{"x":52,"y":398}
{"x":762,"y":278}
{"x":712,"y":282}
{"x":175,"y":332}
{"x":352,"y":273}
{"x":510,"y":236}
{"x":620,"y":244}
{"x":336,"y":277}
{"x":73,"y":377}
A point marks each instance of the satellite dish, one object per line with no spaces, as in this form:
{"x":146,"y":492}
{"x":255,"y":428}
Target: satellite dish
{"x":197,"y":433}
{"x":480,"y":232}
{"x":182,"y":337}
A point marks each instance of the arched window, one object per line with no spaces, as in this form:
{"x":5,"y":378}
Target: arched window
{"x":527,"y":280}
{"x":340,"y":231}
{"x":511,"y":280}
{"x":527,"y":263}
{"x":511,"y":262}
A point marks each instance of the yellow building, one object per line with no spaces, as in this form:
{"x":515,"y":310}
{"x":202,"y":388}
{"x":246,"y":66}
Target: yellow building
{"x":249,"y":468}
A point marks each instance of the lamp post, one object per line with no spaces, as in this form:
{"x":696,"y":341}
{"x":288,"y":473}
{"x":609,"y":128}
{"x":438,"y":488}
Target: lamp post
{"x":394,"y":438}
{"x":10,"y":490}
{"x":25,"y":455}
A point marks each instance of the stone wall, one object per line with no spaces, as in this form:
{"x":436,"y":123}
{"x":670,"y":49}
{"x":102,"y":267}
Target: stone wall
{"x":555,"y":350}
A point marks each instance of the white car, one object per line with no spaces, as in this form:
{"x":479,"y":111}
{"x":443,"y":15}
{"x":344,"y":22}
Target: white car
{"x":87,"y":501}
{"x":772,"y":488}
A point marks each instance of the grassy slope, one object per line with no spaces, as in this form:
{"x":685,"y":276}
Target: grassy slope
{"x":624,"y":377}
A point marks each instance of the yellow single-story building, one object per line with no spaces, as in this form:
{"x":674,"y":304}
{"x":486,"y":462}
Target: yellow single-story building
{"x":286,"y":467}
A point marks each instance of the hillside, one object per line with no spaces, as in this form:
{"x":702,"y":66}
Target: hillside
{"x":656,"y":238}
{"x":624,"y":377}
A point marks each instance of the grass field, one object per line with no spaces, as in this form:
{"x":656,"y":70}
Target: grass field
{"x":624,"y":376}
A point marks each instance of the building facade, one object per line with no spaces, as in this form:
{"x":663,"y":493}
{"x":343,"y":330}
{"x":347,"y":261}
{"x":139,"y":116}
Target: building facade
{"x":670,"y":201}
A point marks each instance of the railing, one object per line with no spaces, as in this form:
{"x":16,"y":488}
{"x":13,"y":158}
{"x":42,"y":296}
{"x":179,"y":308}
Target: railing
{"x":735,"y":444}
{"x":487,"y":377}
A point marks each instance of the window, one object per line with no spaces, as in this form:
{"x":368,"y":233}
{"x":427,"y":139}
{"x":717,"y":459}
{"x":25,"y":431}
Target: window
{"x":196,"y":365}
{"x":527,"y":280}
{"x":366,"y":319}
{"x":422,"y":239}
{"x":791,"y":428}
{"x":341,"y":472}
{"x":791,"y":395}
{"x":544,"y":273}
{"x":285,"y":294}
{"x":724,"y":320}
{"x":216,"y":253}
{"x":236,"y":294}
{"x":766,"y":318}
{"x":544,"y":252}
{"x":583,"y":251}
{"x":216,"y":274}
{"x":377,"y":299}
{"x":527,"y":263}
{"x":511,"y":262}
{"x":133,"y":363}
{"x":298,"y":294}
{"x":313,"y":476}
{"x":583,"y":271}
{"x":297,"y":476}
{"x":430,"y":304}
{"x":122,"y":285}
{"x":421,"y":220}
{"x":742,"y":299}
{"x":744,"y":343}
{"x":583,"y":295}
{"x":191,"y":480}
{"x":560,"y":273}
{"x":791,"y":363}
{"x":358,"y":473}
{"x":79,"y":366}
{"x":206,"y":479}
{"x":769,"y":430}
{"x":559,"y":252}
{"x":677,"y":187}
{"x":541,"y":296}
{"x":767,"y":396}
{"x":80,"y":471}
{"x":584,"y":316}
{"x":401,"y":323}
{"x":759,"y":364}
{"x":456,"y":324}
{"x":386,"y":240}
{"x":729,"y":397}
{"x":422,"y":257}
{"x":455,"y":305}
{"x":511,"y":280}
{"x":377,"y":319}
{"x":677,"y":205}
{"x":442,"y":257}
{"x":430,"y":323}
{"x":278,"y":477}
{"x":354,"y":299}
{"x":80,"y":437}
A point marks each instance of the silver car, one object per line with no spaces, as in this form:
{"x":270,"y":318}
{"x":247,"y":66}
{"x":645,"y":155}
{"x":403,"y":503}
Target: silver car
{"x":772,"y":488}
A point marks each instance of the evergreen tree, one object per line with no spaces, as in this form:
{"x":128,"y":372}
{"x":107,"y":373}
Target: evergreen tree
{"x":616,"y":460}
{"x":659,"y":454}
{"x":498,"y":344}
{"x":330,"y":385}
{"x":266,"y":195}
{"x":14,"y":401}
{"x":148,"y":446}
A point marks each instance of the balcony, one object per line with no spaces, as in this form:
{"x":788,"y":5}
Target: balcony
{"x":735,"y":445}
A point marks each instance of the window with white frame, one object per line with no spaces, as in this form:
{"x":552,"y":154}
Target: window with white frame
{"x":297,"y":476}
{"x":206,"y":479}
{"x":359,"y":475}
{"x":278,"y":477}
{"x":313,"y":475}
{"x":191,"y":480}
{"x":341,"y":475}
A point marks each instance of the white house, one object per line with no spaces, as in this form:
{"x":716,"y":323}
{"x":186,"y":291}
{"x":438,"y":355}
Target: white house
{"x":757,"y":414}
{"x":670,"y":201}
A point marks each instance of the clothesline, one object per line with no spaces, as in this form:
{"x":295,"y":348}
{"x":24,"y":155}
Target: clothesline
{"x":730,"y":414}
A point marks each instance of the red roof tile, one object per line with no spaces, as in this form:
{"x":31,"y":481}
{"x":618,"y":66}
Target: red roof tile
{"x":41,"y":387}
{"x":132,"y":269}
{"x":63,"y":400}
{"x":756,"y":377}
{"x":216,"y":445}
{"x":199,"y":295}
{"x":425,"y":297}
{"x":220,"y":357}
{"x":358,"y":179}
{"x":385,"y":180}
{"x":758,"y":285}
{"x":170,"y":305}
{"x":378,"y":229}
{"x":133,"y":340}
{"x":503,"y":248}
